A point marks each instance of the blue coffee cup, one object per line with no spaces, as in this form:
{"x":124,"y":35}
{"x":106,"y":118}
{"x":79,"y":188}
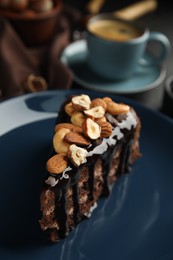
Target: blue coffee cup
{"x":117,"y":48}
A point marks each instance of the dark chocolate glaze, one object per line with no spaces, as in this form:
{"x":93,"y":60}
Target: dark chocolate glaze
{"x":105,"y":156}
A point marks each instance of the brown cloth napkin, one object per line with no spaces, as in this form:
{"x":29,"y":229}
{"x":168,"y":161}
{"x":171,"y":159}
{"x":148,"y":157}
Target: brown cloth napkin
{"x":18,"y":62}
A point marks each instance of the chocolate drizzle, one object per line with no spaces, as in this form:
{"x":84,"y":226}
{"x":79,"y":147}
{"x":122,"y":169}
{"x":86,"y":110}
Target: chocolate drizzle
{"x":61,"y":216}
{"x":91,"y":181}
{"x":76,"y":213}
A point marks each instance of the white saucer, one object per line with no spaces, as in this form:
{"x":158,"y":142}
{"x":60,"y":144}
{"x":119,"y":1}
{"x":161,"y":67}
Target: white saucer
{"x":146,"y":78}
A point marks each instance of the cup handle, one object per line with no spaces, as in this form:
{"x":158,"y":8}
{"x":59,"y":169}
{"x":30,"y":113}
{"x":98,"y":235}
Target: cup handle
{"x":165,"y":46}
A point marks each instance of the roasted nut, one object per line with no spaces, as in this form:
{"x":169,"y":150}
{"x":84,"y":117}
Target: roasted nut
{"x":81,"y":102}
{"x":107,"y":99}
{"x":77,"y":118}
{"x":91,"y":129}
{"x":57,"y":163}
{"x":35,"y":83}
{"x":59,"y":144}
{"x":69,"y":126}
{"x":99,"y":102}
{"x":69,"y":109}
{"x":101,"y":119}
{"x":76,"y":138}
{"x":95,"y":112}
{"x":117,"y":108}
{"x":77,"y":155}
{"x":106,"y":129}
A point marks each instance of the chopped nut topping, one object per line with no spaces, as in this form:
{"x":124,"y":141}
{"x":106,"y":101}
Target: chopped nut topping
{"x":59,"y":144}
{"x":76,"y":138}
{"x":99,"y":102}
{"x":101,"y":119}
{"x":90,"y":120}
{"x":69,"y":126}
{"x":106,"y":129}
{"x":117,"y":108}
{"x":77,"y":155}
{"x":77,"y":118}
{"x":81,"y":102}
{"x":107,"y":99}
{"x":91,"y":129}
{"x":69,"y":109}
{"x":57,"y":164}
{"x":95,"y":112}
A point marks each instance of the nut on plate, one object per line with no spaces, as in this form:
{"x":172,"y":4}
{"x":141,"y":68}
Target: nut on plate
{"x":57,"y":163}
{"x":91,"y":129}
{"x":77,"y":155}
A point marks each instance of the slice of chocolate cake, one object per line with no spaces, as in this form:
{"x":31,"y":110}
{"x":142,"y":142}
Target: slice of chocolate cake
{"x":95,"y":142}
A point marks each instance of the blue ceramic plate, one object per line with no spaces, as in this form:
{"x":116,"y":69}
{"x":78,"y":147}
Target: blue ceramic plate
{"x":134,"y":222}
{"x":144,"y":79}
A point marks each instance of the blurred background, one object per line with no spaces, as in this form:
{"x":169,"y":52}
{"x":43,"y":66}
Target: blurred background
{"x":33,"y":34}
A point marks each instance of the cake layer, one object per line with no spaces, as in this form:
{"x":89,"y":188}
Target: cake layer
{"x":95,"y":142}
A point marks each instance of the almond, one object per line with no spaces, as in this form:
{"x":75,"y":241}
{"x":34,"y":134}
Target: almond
{"x":81,"y":102}
{"x":77,"y":118}
{"x":117,"y":108}
{"x":106,"y":129}
{"x":77,"y":155}
{"x":69,"y":126}
{"x":76,"y":138}
{"x":57,"y":163}
{"x":91,"y":129}
{"x":99,"y":102}
{"x":59,"y":144}
{"x":95,"y":112}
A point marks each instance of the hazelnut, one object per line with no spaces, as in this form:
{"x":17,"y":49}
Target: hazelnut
{"x":77,"y":155}
{"x":91,"y":129}
{"x":81,"y":102}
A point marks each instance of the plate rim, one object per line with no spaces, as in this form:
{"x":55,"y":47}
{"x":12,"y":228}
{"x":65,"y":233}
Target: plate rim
{"x":75,"y":90}
{"x":158,"y":115}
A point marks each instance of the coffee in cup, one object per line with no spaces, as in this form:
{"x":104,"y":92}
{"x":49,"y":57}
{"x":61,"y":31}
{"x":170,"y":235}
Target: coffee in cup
{"x":117,"y":48}
{"x":114,"y":30}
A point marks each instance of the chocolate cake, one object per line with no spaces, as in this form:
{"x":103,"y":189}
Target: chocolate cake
{"x":95,"y":142}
